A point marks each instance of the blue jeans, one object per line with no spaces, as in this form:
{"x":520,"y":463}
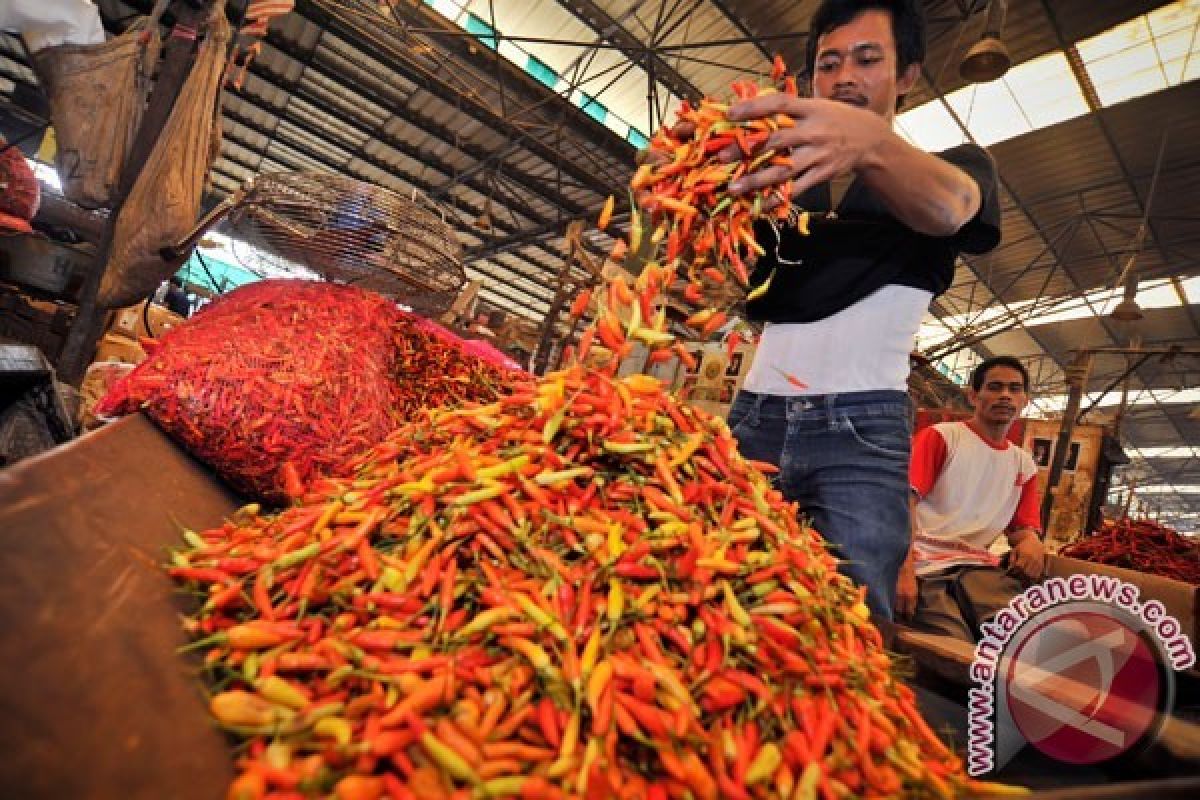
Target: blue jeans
{"x":844,"y":459}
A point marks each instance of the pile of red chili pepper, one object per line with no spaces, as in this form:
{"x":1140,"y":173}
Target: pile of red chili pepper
{"x":279,"y":382}
{"x":579,"y":590}
{"x":1143,"y":545}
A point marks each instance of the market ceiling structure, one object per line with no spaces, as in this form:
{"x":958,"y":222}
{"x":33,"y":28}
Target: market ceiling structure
{"x":522,"y":116}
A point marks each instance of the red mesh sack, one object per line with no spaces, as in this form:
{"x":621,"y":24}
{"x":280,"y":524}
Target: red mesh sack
{"x":281,"y":382}
{"x":20,"y":194}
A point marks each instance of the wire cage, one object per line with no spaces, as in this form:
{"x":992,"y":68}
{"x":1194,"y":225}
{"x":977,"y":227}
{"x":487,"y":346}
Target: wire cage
{"x":352,"y":232}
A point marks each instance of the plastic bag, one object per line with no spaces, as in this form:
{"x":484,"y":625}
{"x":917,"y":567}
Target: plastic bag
{"x":47,"y":23}
{"x":165,"y":201}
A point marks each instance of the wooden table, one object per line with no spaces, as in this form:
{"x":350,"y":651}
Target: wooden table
{"x":1169,"y":768}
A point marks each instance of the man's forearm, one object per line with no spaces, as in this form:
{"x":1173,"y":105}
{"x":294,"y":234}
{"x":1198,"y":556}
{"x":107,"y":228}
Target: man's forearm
{"x":1020,"y":534}
{"x":910,"y":560}
{"x":926,"y":193}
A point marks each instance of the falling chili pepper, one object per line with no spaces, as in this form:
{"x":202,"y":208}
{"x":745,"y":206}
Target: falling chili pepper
{"x":606,"y":213}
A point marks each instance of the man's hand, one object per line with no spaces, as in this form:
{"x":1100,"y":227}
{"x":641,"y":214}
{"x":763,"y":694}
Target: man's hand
{"x":906,"y":590}
{"x":1027,"y":559}
{"x":828,"y":139}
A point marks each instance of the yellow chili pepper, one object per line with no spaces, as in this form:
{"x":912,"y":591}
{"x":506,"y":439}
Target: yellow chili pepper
{"x":502,"y":469}
{"x":337,"y":728}
{"x":616,"y":601}
{"x":454,"y":764}
{"x":764,"y":764}
{"x":597,"y":683}
{"x":538,"y":615}
{"x":484,"y":620}
{"x":245,"y":709}
{"x":281,"y":692}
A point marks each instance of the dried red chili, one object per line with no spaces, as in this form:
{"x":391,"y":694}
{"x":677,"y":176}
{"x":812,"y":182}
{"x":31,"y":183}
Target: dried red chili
{"x":1142,"y":545}
{"x":279,"y":382}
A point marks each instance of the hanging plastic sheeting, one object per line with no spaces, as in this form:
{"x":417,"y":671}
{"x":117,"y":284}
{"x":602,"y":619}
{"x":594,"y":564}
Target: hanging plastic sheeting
{"x":97,"y":89}
{"x":165,"y":201}
{"x":47,"y":23}
{"x":97,"y":94}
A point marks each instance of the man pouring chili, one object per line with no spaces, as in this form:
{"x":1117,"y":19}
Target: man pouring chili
{"x":825,"y":398}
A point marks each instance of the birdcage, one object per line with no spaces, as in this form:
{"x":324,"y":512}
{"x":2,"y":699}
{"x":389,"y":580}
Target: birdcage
{"x":347,"y":231}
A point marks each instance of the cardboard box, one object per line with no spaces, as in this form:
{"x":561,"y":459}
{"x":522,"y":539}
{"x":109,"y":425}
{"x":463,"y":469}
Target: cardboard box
{"x":1073,"y":495}
{"x":1182,"y":600}
{"x":40,"y":263}
{"x":131,"y":322}
{"x":114,"y":347}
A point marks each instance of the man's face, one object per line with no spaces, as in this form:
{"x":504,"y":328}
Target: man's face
{"x":856,"y":64}
{"x":1002,"y":397}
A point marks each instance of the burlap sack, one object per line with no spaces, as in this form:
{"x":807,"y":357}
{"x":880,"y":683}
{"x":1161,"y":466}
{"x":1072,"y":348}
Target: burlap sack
{"x":165,"y":201}
{"x":97,"y":94}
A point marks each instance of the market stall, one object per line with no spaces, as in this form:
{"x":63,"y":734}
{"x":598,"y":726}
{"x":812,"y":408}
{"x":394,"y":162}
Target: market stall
{"x":322,"y":546}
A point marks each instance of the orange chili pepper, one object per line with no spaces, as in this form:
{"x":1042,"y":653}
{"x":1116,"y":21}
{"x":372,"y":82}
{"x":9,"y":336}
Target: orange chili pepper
{"x":606,"y":212}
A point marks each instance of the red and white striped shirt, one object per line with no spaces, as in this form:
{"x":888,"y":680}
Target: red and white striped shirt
{"x":970,"y":491}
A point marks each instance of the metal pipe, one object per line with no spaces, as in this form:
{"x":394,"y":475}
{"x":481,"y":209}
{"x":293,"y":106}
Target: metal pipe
{"x":56,"y":211}
{"x":997,"y":12}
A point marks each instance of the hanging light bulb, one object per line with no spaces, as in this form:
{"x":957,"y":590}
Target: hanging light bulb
{"x":484,"y":221}
{"x":1128,"y":309}
{"x":988,"y":59}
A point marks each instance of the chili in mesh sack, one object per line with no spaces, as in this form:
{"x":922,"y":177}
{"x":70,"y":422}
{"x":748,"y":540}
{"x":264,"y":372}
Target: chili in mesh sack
{"x":280,"y":382}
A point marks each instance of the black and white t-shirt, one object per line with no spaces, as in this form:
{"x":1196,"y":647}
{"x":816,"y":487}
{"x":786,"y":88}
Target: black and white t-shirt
{"x":845,"y":301}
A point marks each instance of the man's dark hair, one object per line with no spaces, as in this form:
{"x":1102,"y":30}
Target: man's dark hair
{"x":908,"y":28}
{"x":980,"y":374}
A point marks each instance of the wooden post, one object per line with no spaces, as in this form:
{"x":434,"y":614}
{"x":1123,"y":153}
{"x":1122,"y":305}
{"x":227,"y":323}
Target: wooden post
{"x":1077,"y":376}
{"x":542,"y":356}
{"x":178,"y":58}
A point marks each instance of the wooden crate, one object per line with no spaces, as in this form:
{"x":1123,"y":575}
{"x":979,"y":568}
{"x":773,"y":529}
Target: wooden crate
{"x":131,"y":321}
{"x":98,"y":702}
{"x":42,"y":264}
{"x":1181,"y":600}
{"x":115,"y":347}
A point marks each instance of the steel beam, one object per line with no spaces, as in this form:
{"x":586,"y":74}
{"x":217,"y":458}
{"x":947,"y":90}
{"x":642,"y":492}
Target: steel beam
{"x":631,"y":47}
{"x":425,"y":124}
{"x":467,"y":50}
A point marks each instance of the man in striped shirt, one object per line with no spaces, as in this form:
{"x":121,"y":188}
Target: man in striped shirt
{"x":970,"y":485}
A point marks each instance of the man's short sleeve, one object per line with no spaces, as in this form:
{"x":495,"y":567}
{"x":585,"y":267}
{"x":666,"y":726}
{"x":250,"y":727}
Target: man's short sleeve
{"x":1029,"y":507}
{"x":982,"y":232}
{"x":928,"y":457}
